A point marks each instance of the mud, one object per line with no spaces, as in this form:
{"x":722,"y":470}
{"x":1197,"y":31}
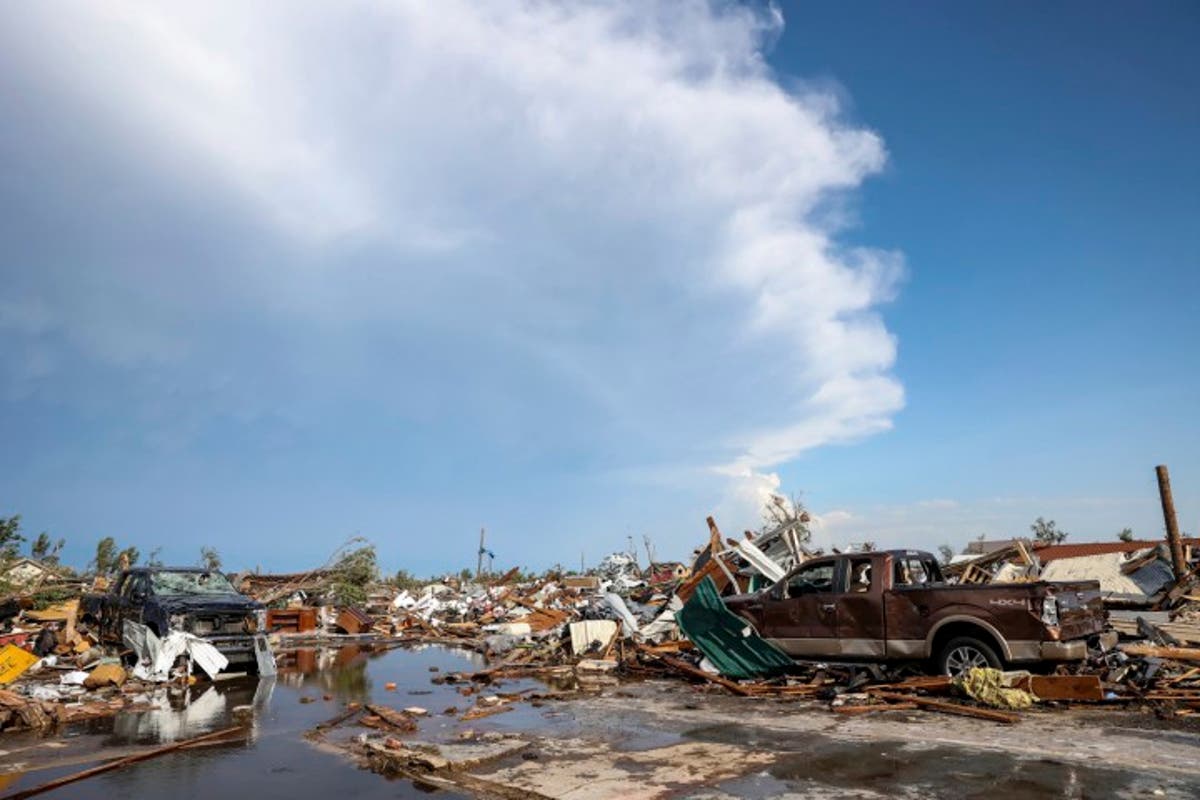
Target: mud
{"x":651,"y":739}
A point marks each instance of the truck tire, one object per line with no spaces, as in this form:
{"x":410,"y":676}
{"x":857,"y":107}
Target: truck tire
{"x":964,"y":652}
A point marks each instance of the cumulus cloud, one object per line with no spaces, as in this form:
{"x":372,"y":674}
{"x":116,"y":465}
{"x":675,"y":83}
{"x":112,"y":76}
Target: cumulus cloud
{"x":602,"y":228}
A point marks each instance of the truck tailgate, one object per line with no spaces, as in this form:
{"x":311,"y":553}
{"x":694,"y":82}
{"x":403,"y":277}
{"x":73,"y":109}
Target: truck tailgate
{"x":1080,"y":609}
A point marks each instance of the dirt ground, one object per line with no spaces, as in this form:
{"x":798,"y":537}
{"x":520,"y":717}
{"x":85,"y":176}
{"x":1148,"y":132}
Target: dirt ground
{"x":657,"y":740}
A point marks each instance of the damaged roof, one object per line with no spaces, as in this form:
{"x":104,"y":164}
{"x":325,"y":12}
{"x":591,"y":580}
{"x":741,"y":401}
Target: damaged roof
{"x":1051,"y":552}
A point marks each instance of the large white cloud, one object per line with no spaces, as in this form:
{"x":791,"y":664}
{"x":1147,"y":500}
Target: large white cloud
{"x":609,"y":217}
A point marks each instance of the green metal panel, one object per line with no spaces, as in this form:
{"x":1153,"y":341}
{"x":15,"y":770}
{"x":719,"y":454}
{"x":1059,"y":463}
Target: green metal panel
{"x":719,"y":634}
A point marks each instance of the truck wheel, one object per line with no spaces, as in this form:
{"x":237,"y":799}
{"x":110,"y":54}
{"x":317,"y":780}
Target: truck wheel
{"x":964,"y":652}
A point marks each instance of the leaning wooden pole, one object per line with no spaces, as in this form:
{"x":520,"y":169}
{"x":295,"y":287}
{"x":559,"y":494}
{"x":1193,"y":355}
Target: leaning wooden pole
{"x":1168,"y":506}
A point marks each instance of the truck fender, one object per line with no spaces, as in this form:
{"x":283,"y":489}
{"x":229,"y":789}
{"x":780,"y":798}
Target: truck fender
{"x":969,"y":619}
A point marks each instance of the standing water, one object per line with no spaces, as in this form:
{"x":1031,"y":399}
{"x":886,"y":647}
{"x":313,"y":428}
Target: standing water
{"x":275,"y":760}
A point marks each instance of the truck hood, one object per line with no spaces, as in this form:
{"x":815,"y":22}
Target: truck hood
{"x":207,"y":603}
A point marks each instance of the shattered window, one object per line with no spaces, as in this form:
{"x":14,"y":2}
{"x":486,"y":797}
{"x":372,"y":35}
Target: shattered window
{"x":860,"y":575}
{"x":133,"y":584}
{"x":815,"y":578}
{"x":191,"y":583}
{"x":911,"y":572}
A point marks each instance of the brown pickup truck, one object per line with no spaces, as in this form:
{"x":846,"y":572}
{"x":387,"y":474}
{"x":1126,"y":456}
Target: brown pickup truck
{"x":893,"y":606}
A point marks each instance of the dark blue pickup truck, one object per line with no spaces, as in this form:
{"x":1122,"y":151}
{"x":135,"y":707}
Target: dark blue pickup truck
{"x":164,"y":599}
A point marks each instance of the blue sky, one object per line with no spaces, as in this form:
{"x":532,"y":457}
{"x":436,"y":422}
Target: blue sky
{"x":277,"y":277}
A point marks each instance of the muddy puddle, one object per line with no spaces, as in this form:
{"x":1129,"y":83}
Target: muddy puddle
{"x":814,"y":765}
{"x":275,"y":759}
{"x":644,"y":739}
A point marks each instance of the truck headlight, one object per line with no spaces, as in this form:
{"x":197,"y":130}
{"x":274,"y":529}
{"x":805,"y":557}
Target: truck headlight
{"x":178,"y":622}
{"x":1050,"y":611}
{"x":256,"y":621}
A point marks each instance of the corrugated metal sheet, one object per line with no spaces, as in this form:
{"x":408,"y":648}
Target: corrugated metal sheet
{"x":720,"y":635}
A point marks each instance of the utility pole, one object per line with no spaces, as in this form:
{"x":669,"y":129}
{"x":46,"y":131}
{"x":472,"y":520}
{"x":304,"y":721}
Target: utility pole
{"x":1168,"y":508}
{"x":479,"y":560}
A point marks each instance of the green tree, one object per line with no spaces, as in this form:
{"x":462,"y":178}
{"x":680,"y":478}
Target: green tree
{"x":946,"y":552}
{"x":210,"y":559}
{"x":129,"y":555}
{"x":155,"y":559}
{"x":105,"y":560}
{"x":1046,"y":532}
{"x":1126,"y":535}
{"x":405,"y":580}
{"x":353,"y":574}
{"x":43,"y":548}
{"x":10,"y":537}
{"x":40,"y":548}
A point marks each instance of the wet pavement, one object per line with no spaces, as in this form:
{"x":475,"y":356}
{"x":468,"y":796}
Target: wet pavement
{"x":651,"y":739}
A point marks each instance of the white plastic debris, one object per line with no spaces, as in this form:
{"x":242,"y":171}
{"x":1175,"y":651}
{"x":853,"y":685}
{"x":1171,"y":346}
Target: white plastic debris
{"x":157,"y":656}
{"x":584,"y":634}
{"x":664,"y":626}
{"x":44,"y":692}
{"x":75,"y":678}
{"x":618,"y":605}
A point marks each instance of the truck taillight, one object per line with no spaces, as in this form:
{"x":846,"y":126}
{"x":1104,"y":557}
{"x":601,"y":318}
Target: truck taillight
{"x":1050,"y":611}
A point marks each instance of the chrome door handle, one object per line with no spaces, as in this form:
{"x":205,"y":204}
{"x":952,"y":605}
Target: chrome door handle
{"x":828,"y":606}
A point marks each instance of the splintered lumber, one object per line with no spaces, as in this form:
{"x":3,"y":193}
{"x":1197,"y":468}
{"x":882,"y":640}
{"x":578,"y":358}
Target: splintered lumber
{"x":122,"y":762}
{"x":1156,"y":651}
{"x":688,"y":669}
{"x":1076,"y":688}
{"x":949,"y":708}
{"x":669,"y":647}
{"x":397,"y":719}
{"x":856,"y":710}
{"x":924,"y":683}
{"x":351,"y":710}
{"x":480,"y":713}
{"x":1186,"y":632}
{"x":710,"y":569}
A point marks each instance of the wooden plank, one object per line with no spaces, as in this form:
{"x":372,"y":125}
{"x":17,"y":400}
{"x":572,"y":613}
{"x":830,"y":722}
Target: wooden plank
{"x":926,"y":683}
{"x":1183,"y":631}
{"x":1155,"y":651}
{"x":688,"y":669}
{"x":121,"y":762}
{"x":711,"y":569}
{"x":856,"y":710}
{"x":480,"y":713}
{"x":1069,"y":688}
{"x":950,"y":708}
{"x":397,"y":719}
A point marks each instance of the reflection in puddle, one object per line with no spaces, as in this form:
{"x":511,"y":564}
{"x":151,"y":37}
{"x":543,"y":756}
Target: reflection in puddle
{"x":275,"y":760}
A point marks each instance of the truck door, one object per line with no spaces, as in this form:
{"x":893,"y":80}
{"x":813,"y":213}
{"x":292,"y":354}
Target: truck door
{"x":127,"y":603}
{"x":801,"y":613}
{"x":110,"y":610}
{"x":860,"y":622}
{"x":908,"y":604}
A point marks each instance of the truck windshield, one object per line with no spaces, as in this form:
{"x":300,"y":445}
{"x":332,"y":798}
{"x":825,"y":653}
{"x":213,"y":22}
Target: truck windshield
{"x":191,"y":583}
